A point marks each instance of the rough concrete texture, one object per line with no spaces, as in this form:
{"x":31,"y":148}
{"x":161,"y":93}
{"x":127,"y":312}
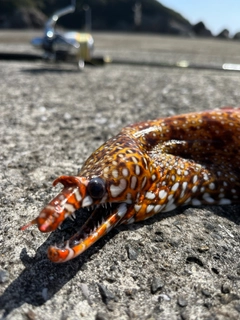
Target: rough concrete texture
{"x":181,"y":265}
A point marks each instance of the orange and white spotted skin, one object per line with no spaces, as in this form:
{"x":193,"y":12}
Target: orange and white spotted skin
{"x":149,"y":167}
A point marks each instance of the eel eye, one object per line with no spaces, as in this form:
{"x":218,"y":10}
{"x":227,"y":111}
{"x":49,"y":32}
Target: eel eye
{"x":96,"y":188}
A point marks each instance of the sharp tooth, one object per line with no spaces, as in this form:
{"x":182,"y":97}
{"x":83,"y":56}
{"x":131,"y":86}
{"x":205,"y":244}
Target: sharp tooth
{"x":74,"y":215}
{"x":67,"y":244}
{"x":59,"y":227}
{"x":71,"y":218}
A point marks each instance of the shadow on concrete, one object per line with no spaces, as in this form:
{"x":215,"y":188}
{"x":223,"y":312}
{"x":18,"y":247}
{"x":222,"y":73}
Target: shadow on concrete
{"x":42,"y":279}
{"x":60,"y":70}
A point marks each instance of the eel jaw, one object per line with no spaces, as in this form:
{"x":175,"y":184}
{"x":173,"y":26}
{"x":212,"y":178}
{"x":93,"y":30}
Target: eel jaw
{"x":101,"y":221}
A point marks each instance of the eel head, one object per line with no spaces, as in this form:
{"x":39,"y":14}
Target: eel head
{"x":107,"y":186}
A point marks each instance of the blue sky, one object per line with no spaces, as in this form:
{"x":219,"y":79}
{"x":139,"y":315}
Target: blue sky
{"x":216,"y":14}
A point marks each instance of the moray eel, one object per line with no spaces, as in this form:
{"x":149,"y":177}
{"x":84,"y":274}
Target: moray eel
{"x":149,"y":167}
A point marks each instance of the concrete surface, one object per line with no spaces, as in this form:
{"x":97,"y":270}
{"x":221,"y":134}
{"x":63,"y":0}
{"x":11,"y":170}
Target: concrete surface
{"x":181,"y":265}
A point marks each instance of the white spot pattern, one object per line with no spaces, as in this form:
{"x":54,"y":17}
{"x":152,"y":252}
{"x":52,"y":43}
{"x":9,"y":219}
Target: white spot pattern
{"x":116,"y":190}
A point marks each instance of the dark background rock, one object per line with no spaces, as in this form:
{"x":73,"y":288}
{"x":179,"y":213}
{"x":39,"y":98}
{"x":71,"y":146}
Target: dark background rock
{"x":200,"y":30}
{"x":224,"y":34}
{"x":31,"y":18}
{"x":109,"y":15}
{"x":236,"y":36}
{"x":24,"y":18}
{"x":114,"y":15}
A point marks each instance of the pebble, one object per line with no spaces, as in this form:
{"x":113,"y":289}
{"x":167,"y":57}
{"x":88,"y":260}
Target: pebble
{"x":227,"y":298}
{"x":157,"y":284}
{"x":101,"y":316}
{"x":67,"y":116}
{"x":182,"y":302}
{"x":158,"y":238}
{"x":203,"y":249}
{"x":85,"y":291}
{"x":164,"y":297}
{"x":206,"y":293}
{"x":132,"y":254}
{"x":105,"y":293}
{"x":130,"y":292}
{"x":225,"y":288}
{"x":4,"y":276}
{"x":31,"y":315}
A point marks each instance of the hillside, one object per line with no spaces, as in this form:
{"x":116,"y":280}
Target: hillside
{"x":112,"y":15}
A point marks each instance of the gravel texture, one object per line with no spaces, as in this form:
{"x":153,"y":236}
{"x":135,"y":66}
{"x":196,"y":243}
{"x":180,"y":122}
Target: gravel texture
{"x":180,"y":265}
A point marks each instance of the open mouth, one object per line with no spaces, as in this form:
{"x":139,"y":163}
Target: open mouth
{"x":79,"y":193}
{"x":102,"y":219}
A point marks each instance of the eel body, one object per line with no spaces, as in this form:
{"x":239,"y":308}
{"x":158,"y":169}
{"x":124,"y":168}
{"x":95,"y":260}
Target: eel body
{"x":149,"y":167}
